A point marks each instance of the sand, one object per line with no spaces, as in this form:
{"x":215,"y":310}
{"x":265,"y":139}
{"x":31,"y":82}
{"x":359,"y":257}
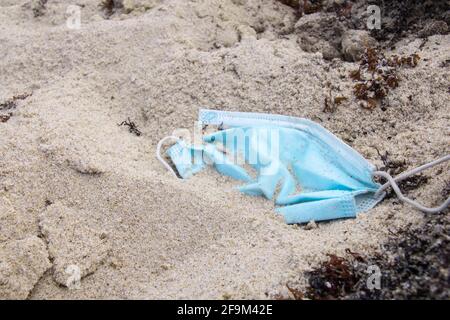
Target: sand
{"x":83,"y":198}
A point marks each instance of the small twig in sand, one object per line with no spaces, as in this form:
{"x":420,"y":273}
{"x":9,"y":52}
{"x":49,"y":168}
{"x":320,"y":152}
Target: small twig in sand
{"x":132,"y":127}
{"x":11,"y":104}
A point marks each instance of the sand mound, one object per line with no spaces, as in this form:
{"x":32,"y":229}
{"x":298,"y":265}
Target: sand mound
{"x":96,"y":196}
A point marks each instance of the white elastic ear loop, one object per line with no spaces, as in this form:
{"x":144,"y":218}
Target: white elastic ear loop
{"x":392,"y":182}
{"x":160,"y":158}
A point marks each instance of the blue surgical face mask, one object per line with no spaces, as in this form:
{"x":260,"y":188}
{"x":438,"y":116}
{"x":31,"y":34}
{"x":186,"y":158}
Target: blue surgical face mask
{"x":311,"y":174}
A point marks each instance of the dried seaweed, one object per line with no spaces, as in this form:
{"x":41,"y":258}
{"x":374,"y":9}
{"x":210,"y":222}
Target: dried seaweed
{"x":377,"y":75}
{"x":412,"y":60}
{"x":132,"y":127}
{"x":413,"y":182}
{"x":297,"y":294}
{"x":332,"y":279}
{"x":414,"y":264}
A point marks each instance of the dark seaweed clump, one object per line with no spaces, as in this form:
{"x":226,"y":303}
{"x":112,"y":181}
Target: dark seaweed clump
{"x":414,"y":265}
{"x":405,"y":17}
{"x":109,"y":7}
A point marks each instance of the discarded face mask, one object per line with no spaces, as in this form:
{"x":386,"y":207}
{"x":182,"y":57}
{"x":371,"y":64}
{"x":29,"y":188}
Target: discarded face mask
{"x":311,"y":173}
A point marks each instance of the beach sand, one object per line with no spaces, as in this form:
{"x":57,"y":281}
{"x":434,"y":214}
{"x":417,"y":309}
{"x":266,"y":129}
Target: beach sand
{"x":82,"y":196}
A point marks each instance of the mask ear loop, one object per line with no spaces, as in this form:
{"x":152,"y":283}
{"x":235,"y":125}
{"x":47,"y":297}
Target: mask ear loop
{"x":392,"y":182}
{"x":160,"y":158}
